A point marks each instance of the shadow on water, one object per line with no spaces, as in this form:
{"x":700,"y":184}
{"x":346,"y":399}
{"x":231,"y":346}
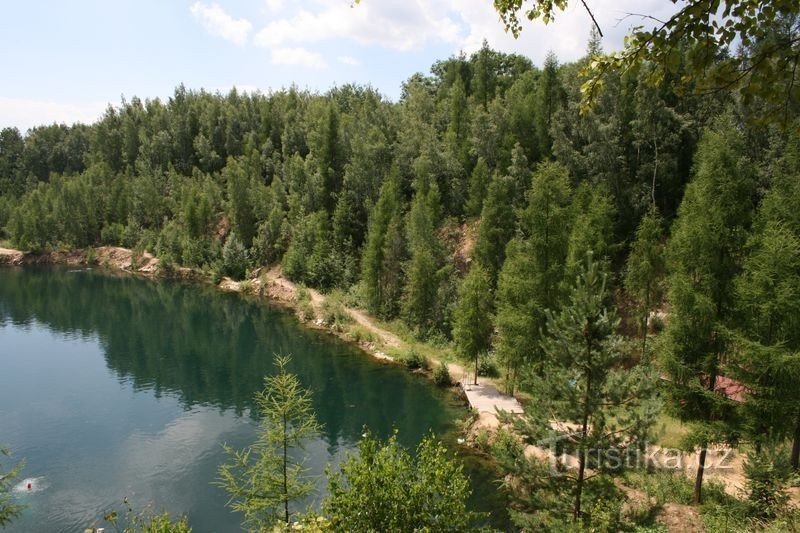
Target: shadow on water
{"x":211,"y":350}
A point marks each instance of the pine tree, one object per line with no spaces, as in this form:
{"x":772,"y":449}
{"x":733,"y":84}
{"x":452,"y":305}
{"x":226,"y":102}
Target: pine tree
{"x":646,"y":269}
{"x":550,"y":96}
{"x":592,"y":229}
{"x":497,"y":226}
{"x":478,"y":188}
{"x":707,"y":241}
{"x":241,"y":209}
{"x":422,"y":279}
{"x":768,"y":294}
{"x":519,"y":312}
{"x":472,"y":328}
{"x":383,"y":250}
{"x":546,"y":223}
{"x":264,"y":478}
{"x":598,"y":404}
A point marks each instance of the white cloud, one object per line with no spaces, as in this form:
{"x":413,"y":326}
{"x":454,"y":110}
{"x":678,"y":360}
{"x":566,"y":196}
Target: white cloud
{"x":299,"y":57}
{"x":394,"y":24}
{"x":567,"y":35}
{"x":349,"y":60}
{"x":411,"y":25}
{"x":217,"y":22}
{"x":24,"y":114}
{"x":275,"y":6}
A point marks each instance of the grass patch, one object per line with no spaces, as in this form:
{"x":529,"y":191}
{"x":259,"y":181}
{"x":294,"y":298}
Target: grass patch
{"x":669,"y":432}
{"x":303,"y":301}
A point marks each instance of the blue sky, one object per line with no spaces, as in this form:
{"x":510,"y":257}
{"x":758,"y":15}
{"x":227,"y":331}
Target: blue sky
{"x":65,"y":61}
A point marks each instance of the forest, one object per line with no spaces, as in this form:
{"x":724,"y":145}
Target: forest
{"x":616,"y":265}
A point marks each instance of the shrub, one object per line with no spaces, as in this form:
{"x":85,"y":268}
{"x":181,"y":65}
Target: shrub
{"x":766,"y":479}
{"x":415,"y":360}
{"x":234,"y":257}
{"x":441,"y":376}
{"x":303,"y":301}
{"x":113,"y":234}
{"x":487,"y":367}
{"x":360,"y":334}
{"x":334,"y":313}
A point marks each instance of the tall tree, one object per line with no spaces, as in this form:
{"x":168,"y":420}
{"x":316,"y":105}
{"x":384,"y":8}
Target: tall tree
{"x":646,"y":269}
{"x":265,"y":477}
{"x":497,"y":226}
{"x":550,"y":97}
{"x":597,"y":403}
{"x":472,"y":328}
{"x":704,"y":252}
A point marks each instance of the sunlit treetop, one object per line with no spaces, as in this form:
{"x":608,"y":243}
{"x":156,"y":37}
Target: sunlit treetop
{"x":750,"y":46}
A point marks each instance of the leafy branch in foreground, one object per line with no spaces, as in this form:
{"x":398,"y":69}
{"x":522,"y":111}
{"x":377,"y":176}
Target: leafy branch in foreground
{"x":767,"y":33}
{"x":386,"y":488}
{"x":263,"y":478}
{"x":8,"y":508}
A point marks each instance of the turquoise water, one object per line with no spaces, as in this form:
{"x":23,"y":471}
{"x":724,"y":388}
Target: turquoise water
{"x":113,"y":387}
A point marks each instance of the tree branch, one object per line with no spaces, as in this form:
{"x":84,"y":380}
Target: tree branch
{"x":596,"y":25}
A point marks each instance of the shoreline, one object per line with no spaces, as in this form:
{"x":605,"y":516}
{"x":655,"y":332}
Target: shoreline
{"x":272,"y":286}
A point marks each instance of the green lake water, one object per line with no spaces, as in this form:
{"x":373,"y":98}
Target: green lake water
{"x":114,"y":387}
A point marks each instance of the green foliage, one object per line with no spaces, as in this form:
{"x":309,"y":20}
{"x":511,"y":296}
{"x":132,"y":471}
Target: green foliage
{"x":761,"y":70}
{"x":497,"y":226}
{"x":441,"y":376}
{"x":386,"y":488}
{"x":9,"y":508}
{"x":334,"y":313}
{"x":766,"y":479}
{"x":234,"y":257}
{"x":472,"y":328}
{"x":645,"y":270}
{"x":414,"y":360}
{"x":599,"y":404}
{"x":707,"y":240}
{"x":264,"y":478}
{"x":146,"y":522}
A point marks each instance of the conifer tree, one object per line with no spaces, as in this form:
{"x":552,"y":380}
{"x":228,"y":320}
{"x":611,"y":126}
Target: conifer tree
{"x":497,"y":225}
{"x":264,"y":478}
{"x":478,"y":188}
{"x":707,"y":241}
{"x":592,"y":229}
{"x":598,"y":405}
{"x":519,"y":312}
{"x":645,"y":270}
{"x":374,"y":260}
{"x":472,"y":328}
{"x":768,"y":298}
{"x":550,"y":96}
{"x":546,"y":223}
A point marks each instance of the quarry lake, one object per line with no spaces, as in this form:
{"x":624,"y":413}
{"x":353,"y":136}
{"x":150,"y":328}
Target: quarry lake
{"x":115,"y":387}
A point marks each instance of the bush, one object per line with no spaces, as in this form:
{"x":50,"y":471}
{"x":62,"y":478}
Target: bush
{"x":441,"y":376}
{"x":303,"y":301}
{"x":766,"y":479}
{"x":487,"y":367}
{"x":113,"y":234}
{"x":334,"y":313}
{"x":415,"y":360}
{"x":234,"y":257}
{"x":360,"y":334}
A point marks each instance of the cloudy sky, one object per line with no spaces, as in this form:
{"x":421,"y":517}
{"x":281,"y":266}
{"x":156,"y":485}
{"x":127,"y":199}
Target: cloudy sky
{"x":66,"y":61}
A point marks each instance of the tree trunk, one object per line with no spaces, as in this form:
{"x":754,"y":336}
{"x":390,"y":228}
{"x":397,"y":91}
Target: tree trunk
{"x":476,"y":369}
{"x":285,"y":477}
{"x":576,"y":511}
{"x":698,"y":481}
{"x":796,"y":445}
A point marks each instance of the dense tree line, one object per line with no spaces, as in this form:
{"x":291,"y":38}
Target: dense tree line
{"x":687,"y":206}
